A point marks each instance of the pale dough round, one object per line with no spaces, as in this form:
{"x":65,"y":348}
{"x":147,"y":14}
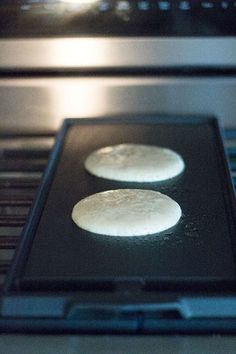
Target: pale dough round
{"x":134,"y":163}
{"x":126,"y":212}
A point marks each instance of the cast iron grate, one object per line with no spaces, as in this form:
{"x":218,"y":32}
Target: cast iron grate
{"x":23,"y":159}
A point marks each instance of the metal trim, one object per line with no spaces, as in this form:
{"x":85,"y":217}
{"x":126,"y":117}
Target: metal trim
{"x":98,"y":53}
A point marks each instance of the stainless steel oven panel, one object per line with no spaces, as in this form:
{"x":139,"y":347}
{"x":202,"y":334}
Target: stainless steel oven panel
{"x":44,"y":102}
{"x":84,"y":53}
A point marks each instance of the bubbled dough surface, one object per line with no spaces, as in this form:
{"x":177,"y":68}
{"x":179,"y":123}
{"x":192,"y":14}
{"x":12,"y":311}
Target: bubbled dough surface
{"x":134,"y":163}
{"x":126,"y":212}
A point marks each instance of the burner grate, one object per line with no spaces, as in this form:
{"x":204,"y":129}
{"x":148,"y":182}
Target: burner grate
{"x":22,"y":162}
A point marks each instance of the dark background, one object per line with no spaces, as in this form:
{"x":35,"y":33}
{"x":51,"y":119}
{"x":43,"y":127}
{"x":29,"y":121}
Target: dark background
{"x":26,"y":18}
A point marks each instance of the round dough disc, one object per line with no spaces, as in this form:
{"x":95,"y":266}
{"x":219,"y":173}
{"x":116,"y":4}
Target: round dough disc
{"x":134,"y":163}
{"x":126,"y":212}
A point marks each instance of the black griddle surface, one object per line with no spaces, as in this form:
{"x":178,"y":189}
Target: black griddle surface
{"x":199,"y":248}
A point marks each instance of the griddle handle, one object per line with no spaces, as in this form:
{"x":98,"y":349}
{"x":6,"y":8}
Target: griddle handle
{"x":136,"y":312}
{"x":58,"y":307}
{"x":207,"y":307}
{"x":185,"y":308}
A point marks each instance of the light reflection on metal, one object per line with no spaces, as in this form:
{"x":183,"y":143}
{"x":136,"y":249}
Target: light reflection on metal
{"x":77,"y":7}
{"x":86,"y":53}
{"x":79,"y":1}
{"x":71,"y":100}
{"x":100,"y":53}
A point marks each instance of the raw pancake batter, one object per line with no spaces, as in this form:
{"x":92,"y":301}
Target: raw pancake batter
{"x":134,"y":163}
{"x":126,"y":212}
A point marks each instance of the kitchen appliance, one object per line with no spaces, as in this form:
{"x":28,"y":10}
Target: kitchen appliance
{"x":62,"y":59}
{"x":79,"y":281}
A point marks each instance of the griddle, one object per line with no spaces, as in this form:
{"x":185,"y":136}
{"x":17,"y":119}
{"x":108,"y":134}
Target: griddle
{"x":58,"y":262}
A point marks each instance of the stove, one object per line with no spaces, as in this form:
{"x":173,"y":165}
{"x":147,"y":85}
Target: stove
{"x":94,"y":59}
